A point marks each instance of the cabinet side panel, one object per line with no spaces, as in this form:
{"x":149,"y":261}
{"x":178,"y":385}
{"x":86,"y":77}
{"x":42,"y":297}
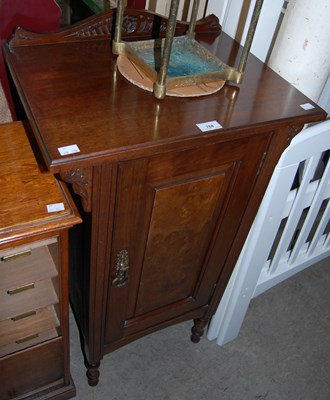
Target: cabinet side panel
{"x":79,"y":274}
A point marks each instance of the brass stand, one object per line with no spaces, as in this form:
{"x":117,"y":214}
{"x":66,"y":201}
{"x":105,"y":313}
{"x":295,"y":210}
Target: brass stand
{"x":161,"y":79}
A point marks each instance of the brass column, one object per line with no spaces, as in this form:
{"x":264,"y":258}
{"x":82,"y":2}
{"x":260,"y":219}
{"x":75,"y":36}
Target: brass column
{"x":160,"y":84}
{"x":119,"y":23}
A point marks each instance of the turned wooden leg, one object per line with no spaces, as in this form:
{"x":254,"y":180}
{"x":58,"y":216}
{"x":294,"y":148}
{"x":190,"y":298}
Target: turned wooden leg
{"x":198,"y":329}
{"x":93,"y":373}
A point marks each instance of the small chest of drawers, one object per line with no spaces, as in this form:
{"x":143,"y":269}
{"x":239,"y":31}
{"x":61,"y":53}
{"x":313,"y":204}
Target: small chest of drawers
{"x":35,"y":215}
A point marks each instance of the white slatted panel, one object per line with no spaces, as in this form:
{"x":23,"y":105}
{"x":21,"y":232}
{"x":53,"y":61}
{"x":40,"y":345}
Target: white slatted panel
{"x":289,"y":232}
{"x":295,"y":214}
{"x":313,"y":212}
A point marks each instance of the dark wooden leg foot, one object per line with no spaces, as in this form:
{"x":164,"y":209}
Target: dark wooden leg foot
{"x":93,"y":373}
{"x":198,"y":329}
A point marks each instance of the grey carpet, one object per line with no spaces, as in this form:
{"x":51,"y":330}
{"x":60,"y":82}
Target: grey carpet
{"x":5,"y":115}
{"x":282,"y":353}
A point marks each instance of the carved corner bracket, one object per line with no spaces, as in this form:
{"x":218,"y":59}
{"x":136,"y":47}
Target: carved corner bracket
{"x":81,"y":181}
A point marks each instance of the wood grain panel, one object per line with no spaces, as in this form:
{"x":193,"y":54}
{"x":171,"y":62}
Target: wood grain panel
{"x":177,"y":240}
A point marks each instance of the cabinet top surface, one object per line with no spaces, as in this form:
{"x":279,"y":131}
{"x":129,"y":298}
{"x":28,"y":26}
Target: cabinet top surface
{"x":75,"y":95}
{"x":31,"y":200}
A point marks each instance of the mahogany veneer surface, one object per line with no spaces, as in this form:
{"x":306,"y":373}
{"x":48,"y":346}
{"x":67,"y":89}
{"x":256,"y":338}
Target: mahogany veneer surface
{"x":75,"y":95}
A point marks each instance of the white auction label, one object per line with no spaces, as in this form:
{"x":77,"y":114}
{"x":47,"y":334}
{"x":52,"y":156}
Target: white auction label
{"x":209,"y":126}
{"x":55,"y":207}
{"x":307,"y":106}
{"x":71,"y":149}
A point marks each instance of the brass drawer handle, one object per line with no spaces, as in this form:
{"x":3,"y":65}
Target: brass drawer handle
{"x":12,"y":257}
{"x":25,"y":315}
{"x":27,"y":338}
{"x":121,"y":278}
{"x":21,"y":289}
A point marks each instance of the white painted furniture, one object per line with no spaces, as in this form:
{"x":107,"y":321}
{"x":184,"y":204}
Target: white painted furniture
{"x":290,"y":231}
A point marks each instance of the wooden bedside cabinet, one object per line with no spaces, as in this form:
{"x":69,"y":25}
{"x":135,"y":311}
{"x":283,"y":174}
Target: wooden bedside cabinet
{"x":35,"y":214}
{"x":166,"y":206}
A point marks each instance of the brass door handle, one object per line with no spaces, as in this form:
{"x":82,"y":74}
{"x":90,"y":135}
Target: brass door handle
{"x":122,"y":266}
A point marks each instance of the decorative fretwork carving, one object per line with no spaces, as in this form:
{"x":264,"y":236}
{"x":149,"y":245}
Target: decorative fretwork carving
{"x":133,"y":24}
{"x":100,"y":28}
{"x":140,"y":24}
{"x":81,"y":181}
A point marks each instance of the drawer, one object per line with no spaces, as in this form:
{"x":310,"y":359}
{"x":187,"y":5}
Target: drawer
{"x":25,"y":341}
{"x":32,"y":369}
{"x":27,"y":324}
{"x":16,"y":301}
{"x":25,"y":264}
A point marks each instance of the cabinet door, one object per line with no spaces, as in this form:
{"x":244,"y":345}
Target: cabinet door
{"x":175,"y":218}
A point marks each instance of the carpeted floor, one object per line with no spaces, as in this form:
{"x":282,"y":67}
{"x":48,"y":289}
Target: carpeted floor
{"x":5,"y":115}
{"x":282,"y":353}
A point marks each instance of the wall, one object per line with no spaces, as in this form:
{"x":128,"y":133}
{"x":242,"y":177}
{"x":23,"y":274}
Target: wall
{"x":163,"y":7}
{"x":301,"y":53}
{"x":301,"y":15}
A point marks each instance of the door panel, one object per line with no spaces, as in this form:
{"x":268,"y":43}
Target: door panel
{"x":178,"y":236}
{"x":173,"y":213}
